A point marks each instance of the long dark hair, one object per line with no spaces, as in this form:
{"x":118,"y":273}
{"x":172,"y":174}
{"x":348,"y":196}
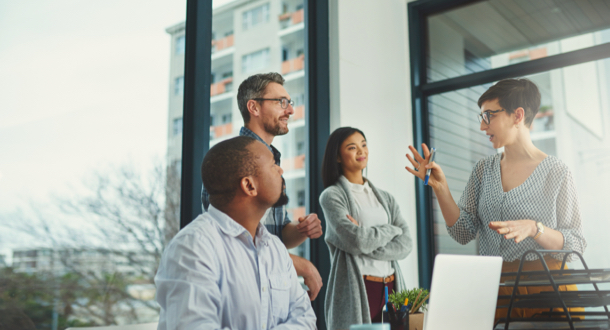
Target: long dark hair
{"x":331,"y":169}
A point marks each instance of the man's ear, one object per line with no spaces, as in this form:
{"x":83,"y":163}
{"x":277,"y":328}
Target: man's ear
{"x":248,"y":186}
{"x":253,"y":108}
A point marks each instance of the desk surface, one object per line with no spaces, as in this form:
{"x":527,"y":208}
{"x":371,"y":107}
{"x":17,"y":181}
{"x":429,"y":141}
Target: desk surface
{"x":521,"y":325}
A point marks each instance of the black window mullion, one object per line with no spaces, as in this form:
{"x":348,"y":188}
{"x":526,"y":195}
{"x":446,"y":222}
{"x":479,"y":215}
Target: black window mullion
{"x":196,"y":110}
{"x":318,"y":130}
{"x":421,"y":134}
{"x":519,"y":70}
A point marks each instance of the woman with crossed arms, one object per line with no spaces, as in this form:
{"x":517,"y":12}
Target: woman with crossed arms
{"x":365,"y":234}
{"x":518,"y":200}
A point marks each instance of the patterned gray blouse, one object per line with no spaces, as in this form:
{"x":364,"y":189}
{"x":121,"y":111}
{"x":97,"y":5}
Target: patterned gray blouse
{"x":548,"y":195}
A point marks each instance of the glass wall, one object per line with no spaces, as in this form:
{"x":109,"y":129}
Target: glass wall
{"x":89,"y":175}
{"x":469,"y":39}
{"x":248,"y":38}
{"x":574,"y":115}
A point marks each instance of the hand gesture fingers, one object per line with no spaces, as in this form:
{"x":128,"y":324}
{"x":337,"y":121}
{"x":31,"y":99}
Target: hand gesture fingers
{"x":416,"y":156}
{"x":426,"y":151}
{"x":417,"y":161}
{"x":516,"y":229}
{"x":421,"y":165}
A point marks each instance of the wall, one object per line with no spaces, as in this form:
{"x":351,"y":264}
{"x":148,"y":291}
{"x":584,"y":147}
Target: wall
{"x":370,"y":90}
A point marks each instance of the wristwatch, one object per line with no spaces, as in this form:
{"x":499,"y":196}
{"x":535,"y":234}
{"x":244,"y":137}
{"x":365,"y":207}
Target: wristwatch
{"x":540,"y":229}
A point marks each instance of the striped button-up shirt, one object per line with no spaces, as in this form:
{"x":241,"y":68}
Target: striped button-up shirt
{"x":277,"y":217}
{"x":213,"y":275}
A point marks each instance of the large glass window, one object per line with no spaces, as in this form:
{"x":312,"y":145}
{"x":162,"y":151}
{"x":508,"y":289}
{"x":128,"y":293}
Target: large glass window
{"x":256,"y":16}
{"x":277,"y":44}
{"x":495,"y":33}
{"x":89,"y":173}
{"x":573,"y":119}
{"x":255,"y":61}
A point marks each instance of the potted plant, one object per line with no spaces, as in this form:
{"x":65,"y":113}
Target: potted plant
{"x":412,"y":302}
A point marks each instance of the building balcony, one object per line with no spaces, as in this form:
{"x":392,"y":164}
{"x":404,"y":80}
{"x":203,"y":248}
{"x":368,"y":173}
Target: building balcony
{"x":220,"y":44}
{"x":294,"y":18}
{"x":293,"y":65}
{"x":527,"y":55}
{"x":226,"y":85}
{"x":221,"y":130}
{"x":294,"y":163}
{"x":297,"y":212}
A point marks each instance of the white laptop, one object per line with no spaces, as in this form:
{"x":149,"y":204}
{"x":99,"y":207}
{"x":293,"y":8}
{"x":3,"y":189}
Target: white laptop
{"x":463,"y":293}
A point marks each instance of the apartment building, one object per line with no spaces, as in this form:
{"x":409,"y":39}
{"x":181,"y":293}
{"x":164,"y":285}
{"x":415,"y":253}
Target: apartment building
{"x":95,"y":261}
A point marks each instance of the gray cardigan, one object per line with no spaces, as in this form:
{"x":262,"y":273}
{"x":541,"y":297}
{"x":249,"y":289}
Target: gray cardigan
{"x":346,"y":301}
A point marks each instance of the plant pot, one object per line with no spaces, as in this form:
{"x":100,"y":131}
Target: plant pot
{"x":416,"y":321}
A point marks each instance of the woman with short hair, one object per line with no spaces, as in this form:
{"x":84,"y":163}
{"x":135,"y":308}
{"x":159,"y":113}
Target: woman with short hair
{"x":517,"y":200}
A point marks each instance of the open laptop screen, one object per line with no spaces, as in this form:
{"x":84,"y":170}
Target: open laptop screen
{"x":463,"y":293}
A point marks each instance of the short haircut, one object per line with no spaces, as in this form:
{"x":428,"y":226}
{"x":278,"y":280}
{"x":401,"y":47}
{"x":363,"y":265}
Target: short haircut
{"x":331,"y":168}
{"x":254,"y":87}
{"x":223,"y":167}
{"x":514,"y":93}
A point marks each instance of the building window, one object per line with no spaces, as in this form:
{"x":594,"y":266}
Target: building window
{"x":301,"y":198}
{"x":179,"y":86}
{"x":178,"y":126}
{"x":180,"y":45}
{"x":255,"y":61}
{"x":227,"y":118}
{"x":256,"y":16}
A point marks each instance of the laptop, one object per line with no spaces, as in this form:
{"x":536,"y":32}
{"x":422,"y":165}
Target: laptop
{"x":464,"y":292}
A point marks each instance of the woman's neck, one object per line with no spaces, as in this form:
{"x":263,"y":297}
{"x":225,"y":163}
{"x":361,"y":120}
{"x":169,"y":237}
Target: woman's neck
{"x":354,"y":177}
{"x":523,"y":149}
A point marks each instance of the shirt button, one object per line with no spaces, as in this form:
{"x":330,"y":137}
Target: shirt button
{"x":264,"y":288}
{"x":264,"y":326}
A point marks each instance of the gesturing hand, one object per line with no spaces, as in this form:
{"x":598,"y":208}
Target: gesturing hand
{"x":515,"y":229}
{"x":421,"y":164}
{"x":310,"y":226}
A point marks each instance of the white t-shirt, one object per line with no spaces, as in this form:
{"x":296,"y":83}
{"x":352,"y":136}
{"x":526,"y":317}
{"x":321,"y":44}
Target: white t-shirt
{"x":369,"y":213}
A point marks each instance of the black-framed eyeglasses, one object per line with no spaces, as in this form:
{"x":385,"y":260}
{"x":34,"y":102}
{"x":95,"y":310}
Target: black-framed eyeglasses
{"x":486,"y":115}
{"x":283,"y":101}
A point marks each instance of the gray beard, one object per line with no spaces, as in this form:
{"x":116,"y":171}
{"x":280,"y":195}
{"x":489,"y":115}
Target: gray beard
{"x":275,"y":130}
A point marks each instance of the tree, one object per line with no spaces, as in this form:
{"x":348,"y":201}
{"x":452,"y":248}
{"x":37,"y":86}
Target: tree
{"x":109,"y":243}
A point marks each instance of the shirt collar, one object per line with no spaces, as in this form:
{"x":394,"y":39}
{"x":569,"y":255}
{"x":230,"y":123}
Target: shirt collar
{"x":359,"y":188}
{"x":231,"y":228}
{"x":244,"y":131}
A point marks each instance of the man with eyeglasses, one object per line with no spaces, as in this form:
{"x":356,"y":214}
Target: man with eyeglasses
{"x":266,"y":107}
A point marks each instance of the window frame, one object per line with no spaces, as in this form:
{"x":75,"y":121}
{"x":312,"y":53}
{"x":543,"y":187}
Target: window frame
{"x":421,"y":90}
{"x":196,"y":116}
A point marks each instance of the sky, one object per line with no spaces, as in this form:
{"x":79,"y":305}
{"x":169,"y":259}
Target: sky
{"x":83,"y":86}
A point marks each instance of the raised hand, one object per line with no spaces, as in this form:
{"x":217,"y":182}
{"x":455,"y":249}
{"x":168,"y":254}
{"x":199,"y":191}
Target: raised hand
{"x":421,"y":164}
